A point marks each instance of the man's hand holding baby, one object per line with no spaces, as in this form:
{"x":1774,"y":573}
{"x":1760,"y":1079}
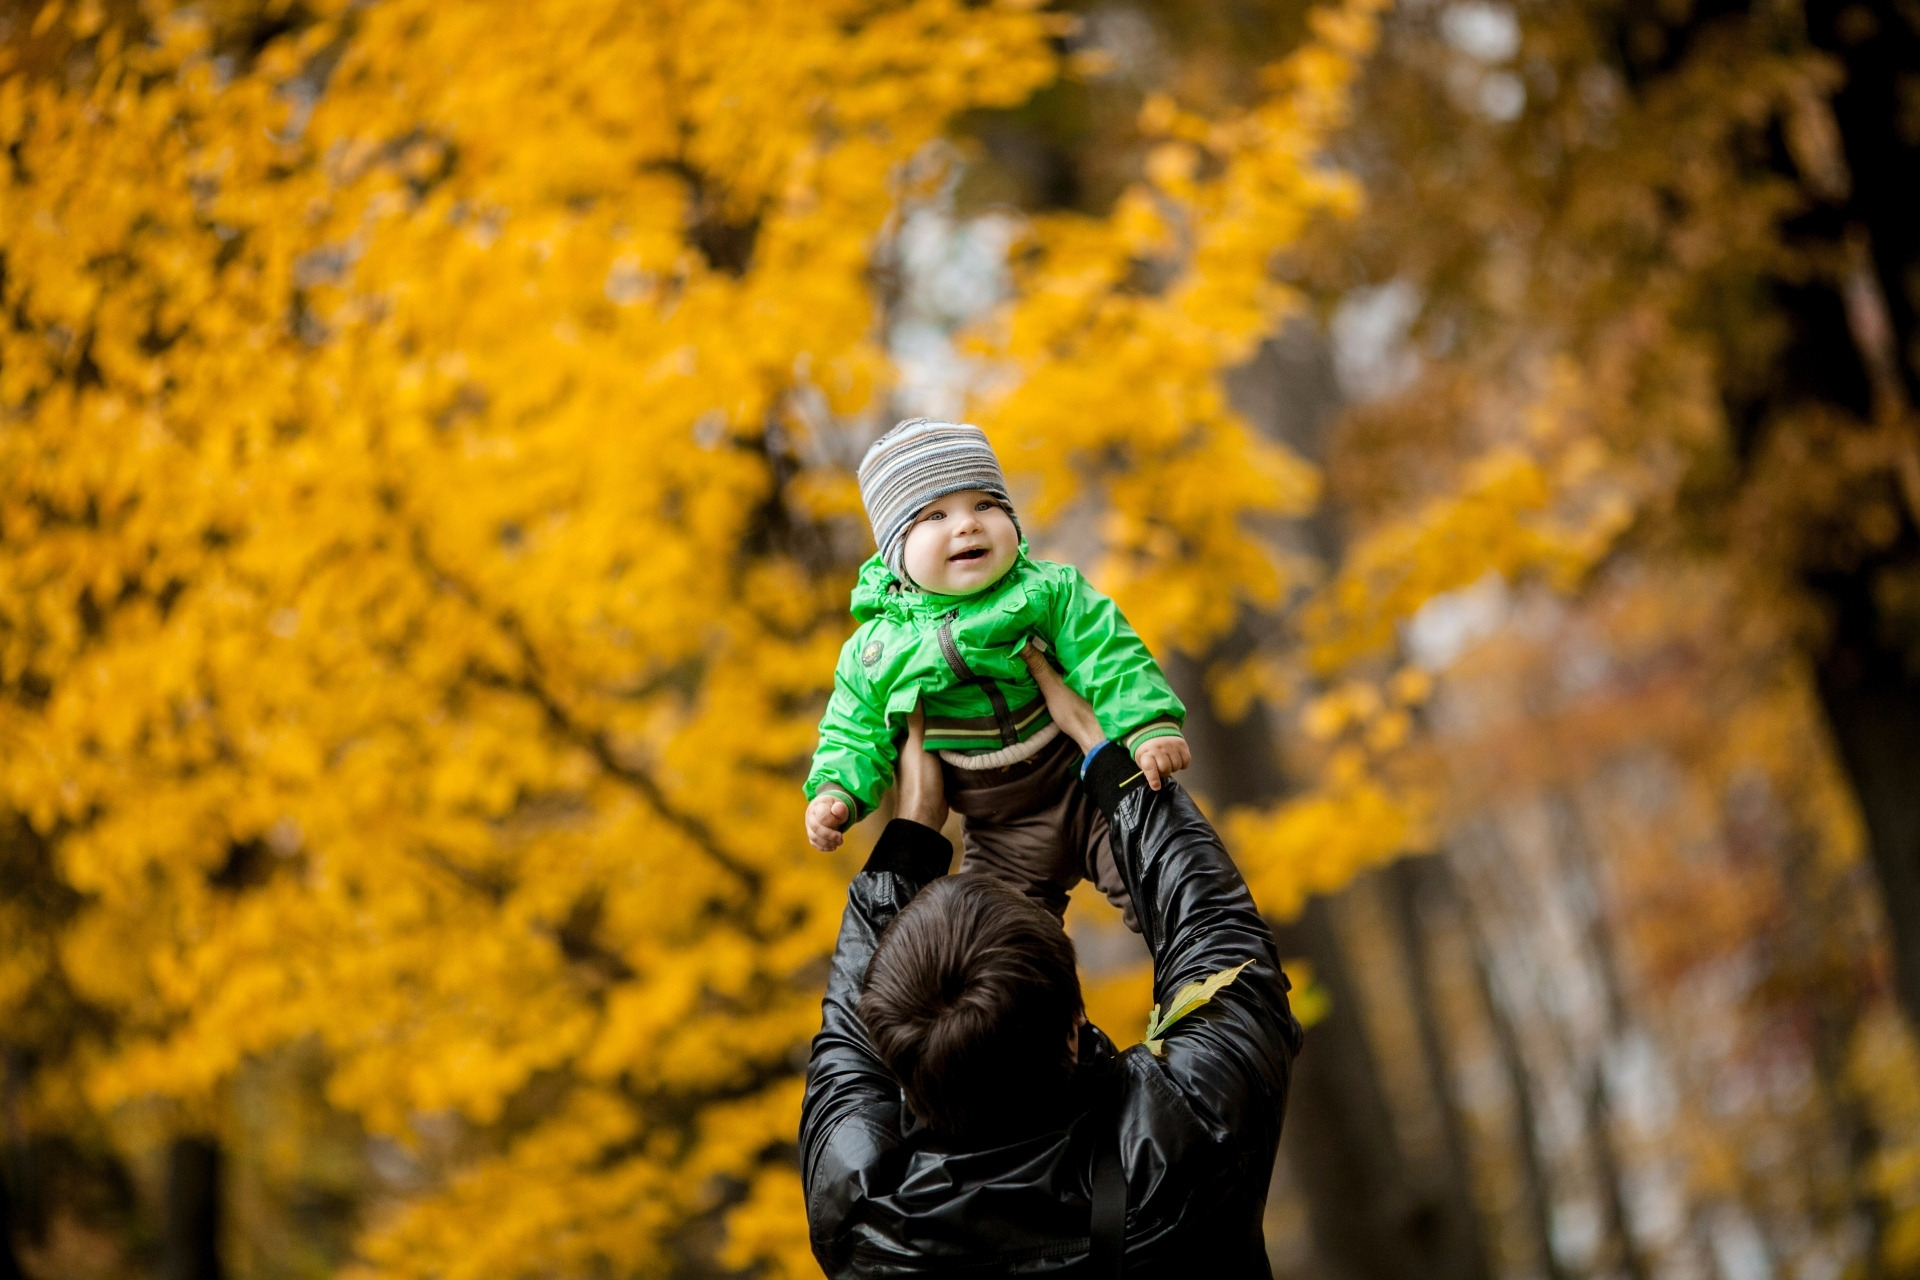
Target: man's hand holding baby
{"x":1158,"y":758}
{"x":922,"y":793}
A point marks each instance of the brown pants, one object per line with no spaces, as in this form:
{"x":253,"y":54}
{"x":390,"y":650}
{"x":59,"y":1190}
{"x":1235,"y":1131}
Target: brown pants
{"x":1033,"y":826}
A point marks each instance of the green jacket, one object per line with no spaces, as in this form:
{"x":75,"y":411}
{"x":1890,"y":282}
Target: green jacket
{"x":961,"y":654}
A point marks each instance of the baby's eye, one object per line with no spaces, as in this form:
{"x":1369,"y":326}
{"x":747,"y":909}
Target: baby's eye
{"x":983,"y":505}
{"x":936,"y":515}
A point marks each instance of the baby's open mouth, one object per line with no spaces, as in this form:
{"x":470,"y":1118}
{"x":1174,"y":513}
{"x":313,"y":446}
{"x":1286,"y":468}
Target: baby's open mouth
{"x":971,"y":553}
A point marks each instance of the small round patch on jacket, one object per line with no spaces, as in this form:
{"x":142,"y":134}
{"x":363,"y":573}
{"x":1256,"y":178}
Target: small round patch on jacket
{"x":871,"y":654}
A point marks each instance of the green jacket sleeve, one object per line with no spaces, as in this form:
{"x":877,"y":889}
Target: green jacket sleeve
{"x":855,"y":758}
{"x":1105,"y":661}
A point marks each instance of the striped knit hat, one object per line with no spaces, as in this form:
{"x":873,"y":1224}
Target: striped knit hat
{"x":918,"y":462}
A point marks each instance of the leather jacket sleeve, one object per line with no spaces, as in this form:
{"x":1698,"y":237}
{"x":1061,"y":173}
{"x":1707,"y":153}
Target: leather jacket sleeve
{"x":850,"y":1118}
{"x":1231,"y":1059}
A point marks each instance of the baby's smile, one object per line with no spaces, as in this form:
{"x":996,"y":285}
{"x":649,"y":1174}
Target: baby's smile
{"x":971,"y":553}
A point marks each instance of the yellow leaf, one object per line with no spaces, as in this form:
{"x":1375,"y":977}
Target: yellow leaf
{"x":1185,"y":1001}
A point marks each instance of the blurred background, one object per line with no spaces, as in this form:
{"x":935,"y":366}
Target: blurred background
{"x":426,"y":524}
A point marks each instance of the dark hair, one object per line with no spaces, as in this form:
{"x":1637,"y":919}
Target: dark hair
{"x":970,"y":1000}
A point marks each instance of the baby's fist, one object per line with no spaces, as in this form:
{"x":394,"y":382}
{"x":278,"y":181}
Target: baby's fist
{"x":1162,"y":758}
{"x":825,"y":816}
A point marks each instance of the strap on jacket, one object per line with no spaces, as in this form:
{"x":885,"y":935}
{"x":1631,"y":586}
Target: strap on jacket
{"x":950,"y":650}
{"x":1109,"y":1203}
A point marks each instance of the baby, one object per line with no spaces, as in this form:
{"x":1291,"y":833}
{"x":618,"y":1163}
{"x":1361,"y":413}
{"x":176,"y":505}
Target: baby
{"x":946,"y":608}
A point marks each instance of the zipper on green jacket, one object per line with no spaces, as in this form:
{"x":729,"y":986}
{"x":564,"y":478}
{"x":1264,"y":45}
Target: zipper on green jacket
{"x":1002,"y":715}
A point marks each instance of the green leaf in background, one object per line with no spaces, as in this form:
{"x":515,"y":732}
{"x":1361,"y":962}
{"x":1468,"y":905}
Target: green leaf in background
{"x":1185,"y":1001}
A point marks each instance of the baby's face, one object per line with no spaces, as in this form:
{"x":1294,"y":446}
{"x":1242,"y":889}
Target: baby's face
{"x":961,"y":544}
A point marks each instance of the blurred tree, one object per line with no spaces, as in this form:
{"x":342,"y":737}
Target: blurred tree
{"x":1857,"y":154}
{"x":1629,"y":317}
{"x":424,"y":545}
{"x":424,"y":533}
{"x":192,"y":1246}
{"x":1633,"y":352}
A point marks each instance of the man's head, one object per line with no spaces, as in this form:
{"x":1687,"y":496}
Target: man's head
{"x":911,"y":469}
{"x":973,"y":1002}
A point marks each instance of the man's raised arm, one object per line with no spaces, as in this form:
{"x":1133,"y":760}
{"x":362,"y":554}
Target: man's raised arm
{"x":1231,"y":1059}
{"x":850,"y":1116}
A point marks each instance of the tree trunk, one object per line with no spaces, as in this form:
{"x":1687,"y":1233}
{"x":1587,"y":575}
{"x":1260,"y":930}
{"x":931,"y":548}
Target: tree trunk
{"x":1412,"y":884}
{"x":9,"y":1264}
{"x":1368,"y":1223}
{"x":1610,"y":1177}
{"x":1870,"y":673}
{"x":1580,"y":871}
{"x":192,"y":1238}
{"x":17,"y":1201}
{"x":1513,"y":1062}
{"x":1873,"y":706}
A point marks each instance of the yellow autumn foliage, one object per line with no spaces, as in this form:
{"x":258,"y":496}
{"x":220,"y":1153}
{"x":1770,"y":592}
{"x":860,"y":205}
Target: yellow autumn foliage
{"x":416,"y":585}
{"x":425,"y":530}
{"x":1114,"y":352}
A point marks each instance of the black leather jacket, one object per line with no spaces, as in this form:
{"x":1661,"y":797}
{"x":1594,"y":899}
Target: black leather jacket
{"x":1198,"y":1128}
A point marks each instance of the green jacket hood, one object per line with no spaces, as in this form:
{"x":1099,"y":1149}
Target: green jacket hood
{"x":875,"y":592}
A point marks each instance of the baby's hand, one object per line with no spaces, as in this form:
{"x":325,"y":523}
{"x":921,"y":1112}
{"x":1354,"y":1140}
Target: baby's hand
{"x":1162,"y":758}
{"x":825,"y":816}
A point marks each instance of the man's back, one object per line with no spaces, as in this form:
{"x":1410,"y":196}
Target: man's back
{"x":1197,"y":1129}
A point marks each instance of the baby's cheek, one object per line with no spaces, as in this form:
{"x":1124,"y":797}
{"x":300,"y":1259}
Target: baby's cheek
{"x":1005,"y":535}
{"x":921,"y":554}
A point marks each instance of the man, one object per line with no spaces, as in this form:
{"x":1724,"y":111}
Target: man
{"x":961,"y":1116}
